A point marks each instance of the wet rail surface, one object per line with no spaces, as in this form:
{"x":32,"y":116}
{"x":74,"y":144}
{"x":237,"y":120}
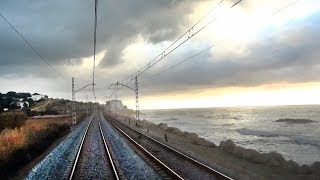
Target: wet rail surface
{"x":185,"y":166}
{"x":93,"y":160}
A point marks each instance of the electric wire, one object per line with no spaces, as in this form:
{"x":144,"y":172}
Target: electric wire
{"x":32,"y":48}
{"x":94,"y":47}
{"x":214,"y":45}
{"x":185,"y":60}
{"x":191,"y":57}
{"x":165,"y":53}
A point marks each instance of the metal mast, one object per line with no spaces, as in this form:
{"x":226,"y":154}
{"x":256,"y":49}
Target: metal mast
{"x":74,"y":113}
{"x":87,"y":105}
{"x":137,"y":98}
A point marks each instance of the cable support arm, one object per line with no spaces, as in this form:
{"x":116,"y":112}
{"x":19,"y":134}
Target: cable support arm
{"x":84,"y":87}
{"x":121,"y":85}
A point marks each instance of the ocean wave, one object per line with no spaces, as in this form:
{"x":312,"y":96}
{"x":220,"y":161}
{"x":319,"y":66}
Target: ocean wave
{"x":172,"y":118}
{"x":295,"y":121}
{"x":306,"y":141}
{"x":302,"y":140}
{"x":204,"y":116}
{"x":227,"y":124}
{"x":245,"y":131}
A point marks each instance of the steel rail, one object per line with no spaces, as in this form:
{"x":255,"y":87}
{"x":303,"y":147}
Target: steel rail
{"x":154,"y":158}
{"x":200,"y":164}
{"x":79,"y":151}
{"x":113,"y":167}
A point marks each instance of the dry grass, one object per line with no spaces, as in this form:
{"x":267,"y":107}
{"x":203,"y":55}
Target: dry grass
{"x":14,"y":139}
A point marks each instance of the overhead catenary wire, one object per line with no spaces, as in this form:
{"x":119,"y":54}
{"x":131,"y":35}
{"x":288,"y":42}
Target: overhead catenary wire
{"x":211,"y":46}
{"x":32,"y":48}
{"x":185,"y":60}
{"x":191,"y":57}
{"x":165,"y":53}
{"x":94,"y":48}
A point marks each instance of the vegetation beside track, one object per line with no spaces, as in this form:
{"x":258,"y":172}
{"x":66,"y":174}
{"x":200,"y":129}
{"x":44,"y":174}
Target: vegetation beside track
{"x":22,"y":144}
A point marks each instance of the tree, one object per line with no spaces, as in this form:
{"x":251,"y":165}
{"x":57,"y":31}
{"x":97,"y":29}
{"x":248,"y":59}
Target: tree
{"x":7,"y":101}
{"x":23,"y":95}
{"x":13,"y":106}
{"x":11,"y":94}
{"x":31,"y":102}
{"x":25,"y":105}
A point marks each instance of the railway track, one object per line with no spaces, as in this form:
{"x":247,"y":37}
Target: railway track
{"x":83,"y":163}
{"x":174,"y":161}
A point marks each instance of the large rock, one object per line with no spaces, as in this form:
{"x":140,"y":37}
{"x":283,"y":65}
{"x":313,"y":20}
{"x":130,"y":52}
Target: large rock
{"x":275,"y":159}
{"x":316,"y":167}
{"x":250,"y":154}
{"x":163,"y":126}
{"x":304,"y":169}
{"x":291,"y":165}
{"x":227,"y":146}
{"x":174,"y":130}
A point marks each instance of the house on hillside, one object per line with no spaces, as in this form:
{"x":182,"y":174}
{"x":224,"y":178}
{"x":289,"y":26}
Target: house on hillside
{"x":37,"y":97}
{"x":22,"y":104}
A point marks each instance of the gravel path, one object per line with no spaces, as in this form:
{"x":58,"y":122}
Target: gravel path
{"x":182,"y":166}
{"x":93,"y":162}
{"x":132,"y":165}
{"x":58,"y":164}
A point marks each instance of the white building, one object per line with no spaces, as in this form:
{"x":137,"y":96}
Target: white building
{"x":37,"y":97}
{"x":115,"y":105}
{"x":21,"y":104}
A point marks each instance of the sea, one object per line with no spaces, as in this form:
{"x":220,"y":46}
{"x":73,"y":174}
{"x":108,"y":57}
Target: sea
{"x":293,"y":131}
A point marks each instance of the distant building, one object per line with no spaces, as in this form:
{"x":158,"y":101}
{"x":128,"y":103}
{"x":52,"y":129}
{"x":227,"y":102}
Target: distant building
{"x":21,"y":104}
{"x":114,"y":105}
{"x":37,"y":97}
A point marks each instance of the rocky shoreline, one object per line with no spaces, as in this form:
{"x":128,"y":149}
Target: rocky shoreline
{"x":227,"y":157}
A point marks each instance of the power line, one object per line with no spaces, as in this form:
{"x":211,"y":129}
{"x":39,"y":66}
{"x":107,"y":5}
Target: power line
{"x":216,"y":44}
{"x":185,"y":60}
{"x":190,"y":33}
{"x":189,"y":58}
{"x":94,"y":46}
{"x":165,"y":52}
{"x":34,"y":50}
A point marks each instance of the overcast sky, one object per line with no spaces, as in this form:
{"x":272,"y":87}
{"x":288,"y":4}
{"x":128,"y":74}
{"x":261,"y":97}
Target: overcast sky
{"x":264,"y":51}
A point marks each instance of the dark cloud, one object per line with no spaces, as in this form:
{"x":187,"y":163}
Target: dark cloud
{"x":63,"y":30}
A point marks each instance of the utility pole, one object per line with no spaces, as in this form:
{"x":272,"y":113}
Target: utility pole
{"x":116,"y":101}
{"x":137,"y":99}
{"x":73,"y":103}
{"x":87,"y":105}
{"x":74,"y":113}
{"x":136,"y":90}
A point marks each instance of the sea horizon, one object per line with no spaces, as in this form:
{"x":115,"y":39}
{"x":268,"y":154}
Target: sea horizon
{"x":254,"y":106}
